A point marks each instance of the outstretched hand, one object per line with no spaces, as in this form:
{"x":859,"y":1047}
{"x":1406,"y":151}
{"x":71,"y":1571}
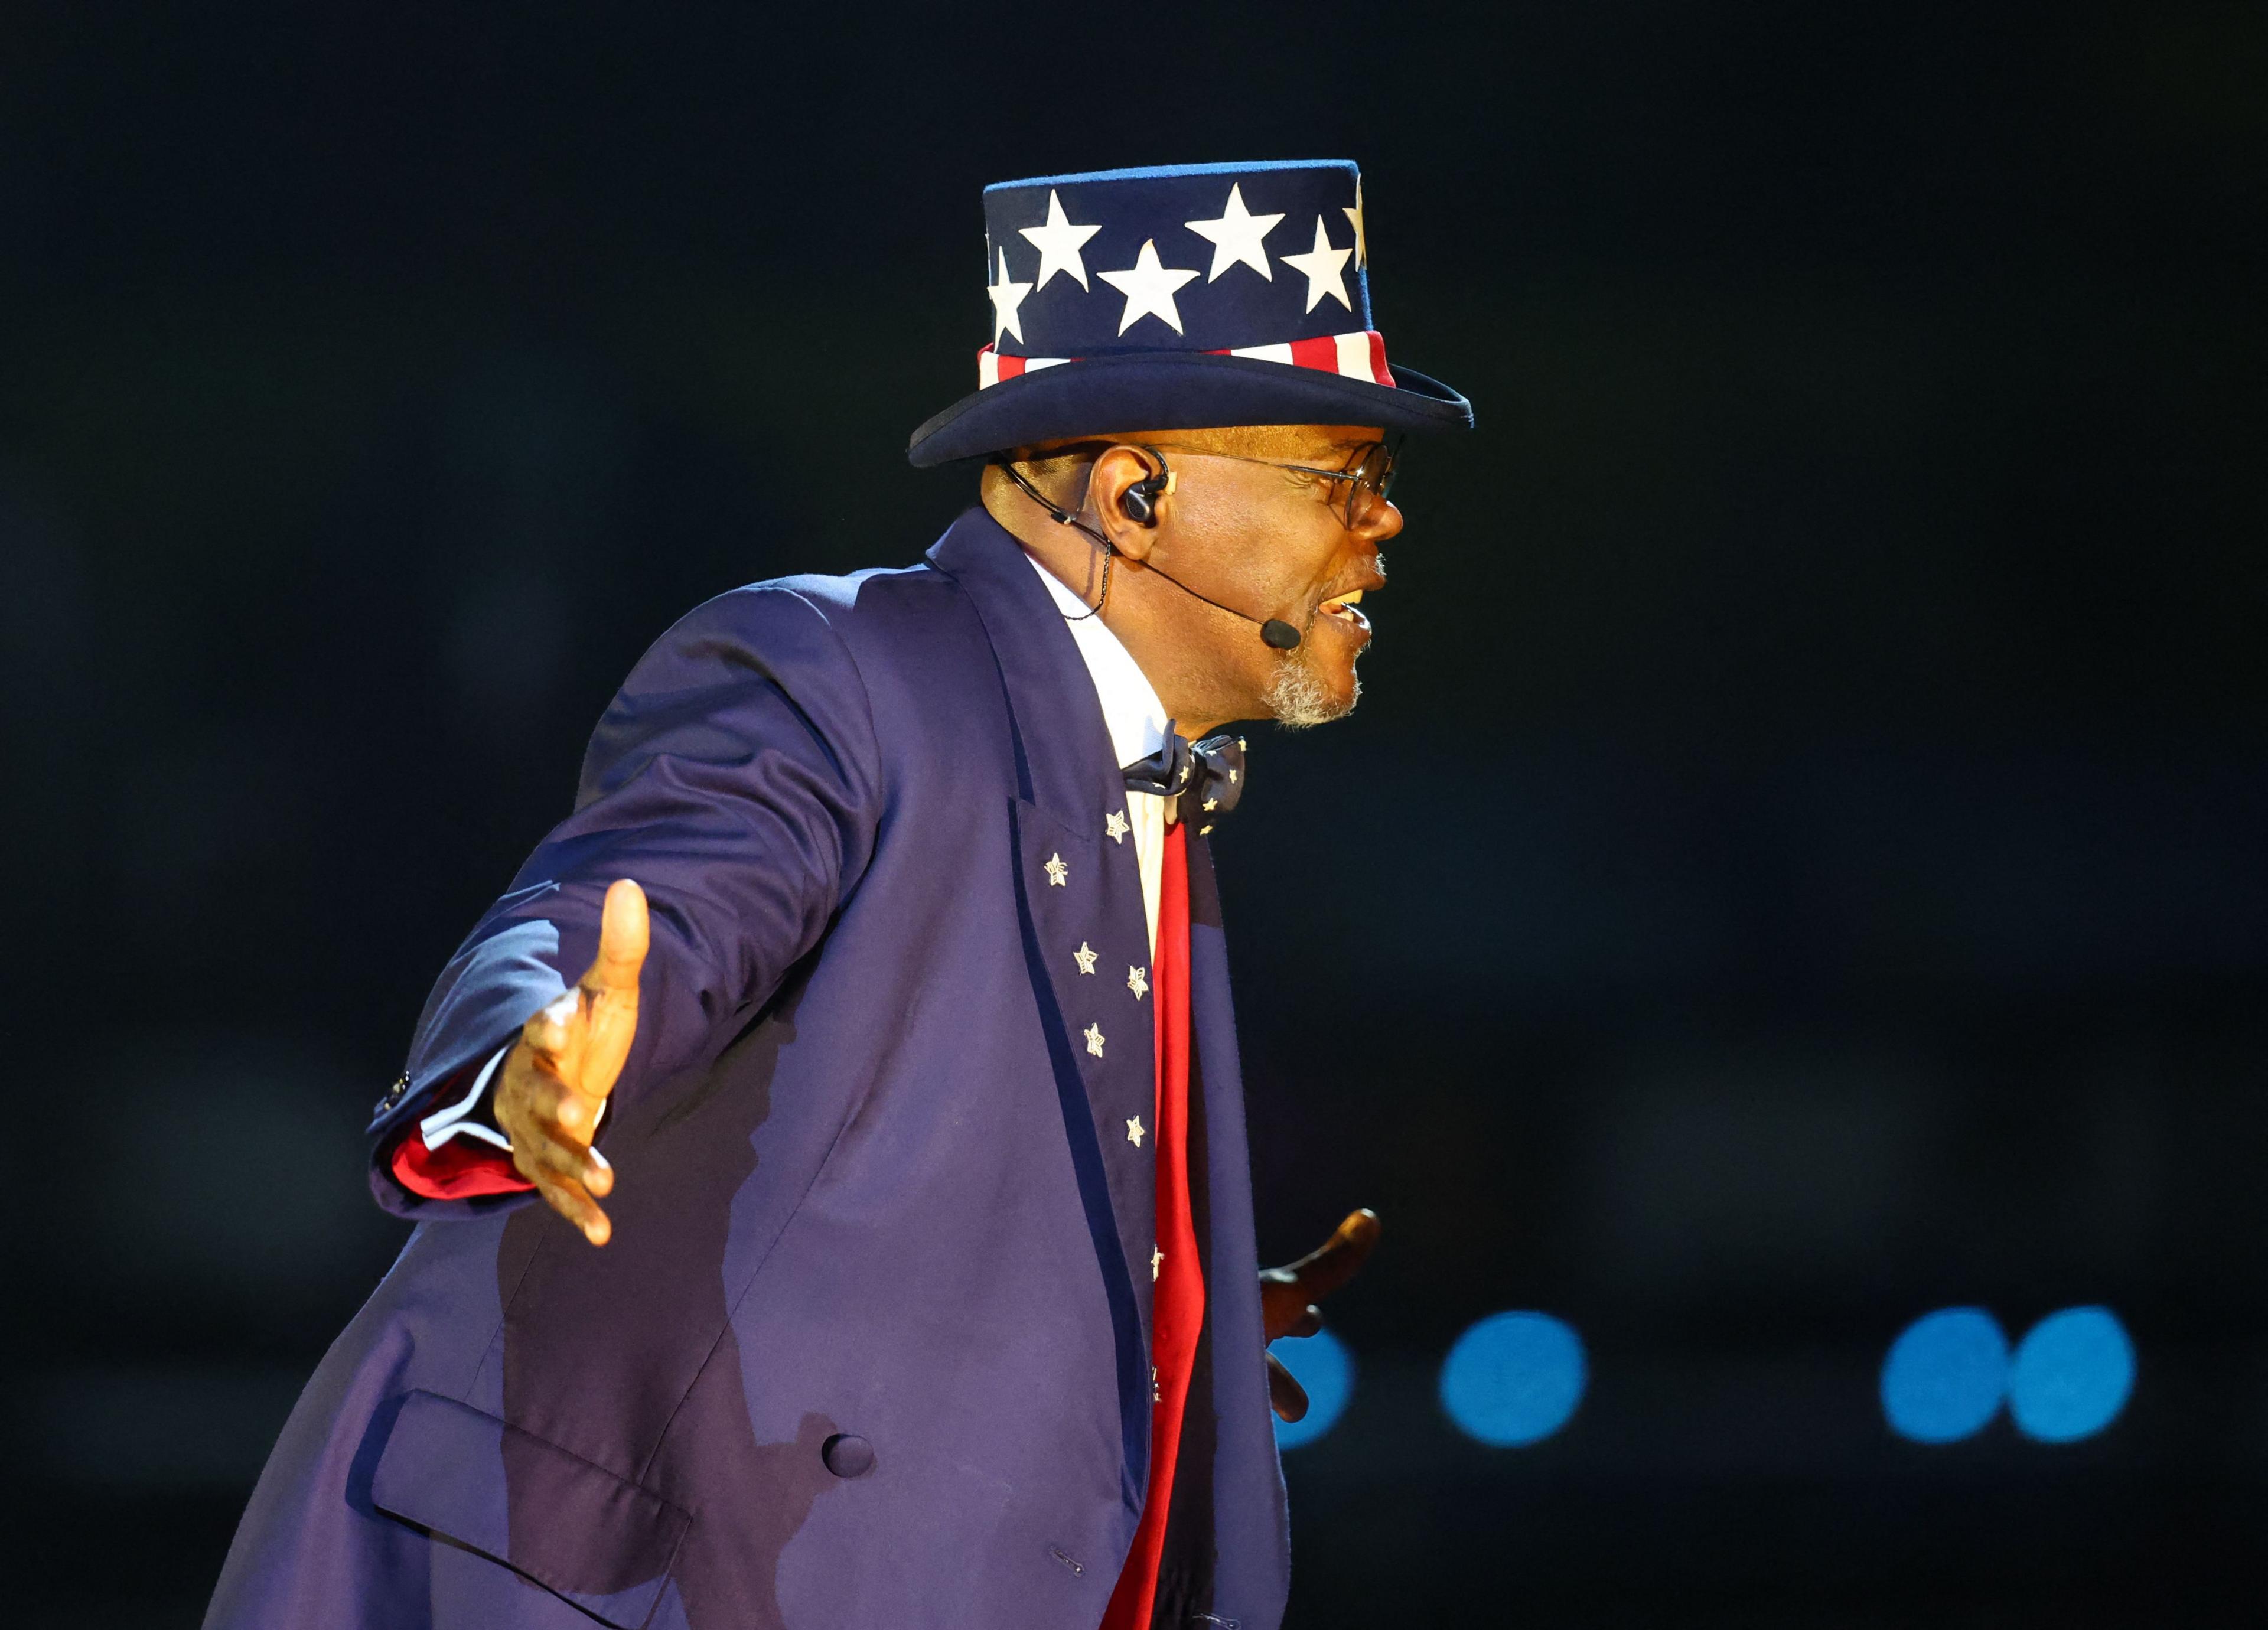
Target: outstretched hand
{"x":559,"y":1073}
{"x":1288,"y":1298}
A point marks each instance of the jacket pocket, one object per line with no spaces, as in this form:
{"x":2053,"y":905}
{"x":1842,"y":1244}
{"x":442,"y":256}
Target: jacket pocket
{"x":574,"y":1528}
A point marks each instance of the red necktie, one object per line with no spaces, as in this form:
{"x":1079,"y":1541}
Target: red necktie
{"x":1177,"y":1298}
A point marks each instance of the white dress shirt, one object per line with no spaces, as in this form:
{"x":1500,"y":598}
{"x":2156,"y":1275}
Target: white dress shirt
{"x":1136,"y":720}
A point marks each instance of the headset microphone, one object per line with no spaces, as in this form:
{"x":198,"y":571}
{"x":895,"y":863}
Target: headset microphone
{"x":1139,"y":503}
{"x":1273,"y":631}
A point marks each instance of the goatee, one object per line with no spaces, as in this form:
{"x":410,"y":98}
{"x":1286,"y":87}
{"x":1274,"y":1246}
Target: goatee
{"x":1299,"y":699}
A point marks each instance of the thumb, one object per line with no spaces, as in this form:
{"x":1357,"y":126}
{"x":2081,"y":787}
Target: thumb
{"x":622,"y":939}
{"x":609,"y":989}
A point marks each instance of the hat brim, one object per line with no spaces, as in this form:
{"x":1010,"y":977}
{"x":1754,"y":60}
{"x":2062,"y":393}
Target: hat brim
{"x":1176,"y":390}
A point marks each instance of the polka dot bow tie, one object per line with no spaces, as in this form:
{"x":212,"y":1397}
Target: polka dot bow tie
{"x":1203,"y":779}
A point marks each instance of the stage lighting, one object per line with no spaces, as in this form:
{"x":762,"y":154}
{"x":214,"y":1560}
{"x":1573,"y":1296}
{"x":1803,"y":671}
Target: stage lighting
{"x":1945,"y":1375}
{"x":1322,"y":1364}
{"x":2072,"y":1376}
{"x":1514,"y":1378}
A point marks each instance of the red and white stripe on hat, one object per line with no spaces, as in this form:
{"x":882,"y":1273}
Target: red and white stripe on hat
{"x":1359,"y":356}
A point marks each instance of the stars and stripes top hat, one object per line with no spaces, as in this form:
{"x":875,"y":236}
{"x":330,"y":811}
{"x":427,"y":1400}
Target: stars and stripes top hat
{"x":1185,"y":297}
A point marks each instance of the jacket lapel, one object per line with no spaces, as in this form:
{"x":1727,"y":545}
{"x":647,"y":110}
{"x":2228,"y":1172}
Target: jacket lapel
{"x":1078,"y":890}
{"x":1063,"y":758}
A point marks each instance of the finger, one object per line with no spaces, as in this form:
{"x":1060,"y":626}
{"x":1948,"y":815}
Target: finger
{"x":571,"y":1112}
{"x":533,"y":1101}
{"x":563,"y":1158}
{"x":566,"y":1197}
{"x":579,"y":1118}
{"x":1285,"y":1395}
{"x":1281,"y":1301}
{"x":1336,"y":1261}
{"x":1310,"y":1321}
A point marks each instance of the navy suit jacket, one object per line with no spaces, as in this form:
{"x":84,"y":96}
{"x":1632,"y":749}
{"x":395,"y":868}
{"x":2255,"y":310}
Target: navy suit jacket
{"x":873,"y":1181}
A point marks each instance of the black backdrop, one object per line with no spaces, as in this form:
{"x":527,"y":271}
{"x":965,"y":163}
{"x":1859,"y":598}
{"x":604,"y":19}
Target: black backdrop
{"x":1800,"y":862}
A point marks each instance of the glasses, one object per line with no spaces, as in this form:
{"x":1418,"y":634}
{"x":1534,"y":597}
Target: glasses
{"x":1368,"y":474}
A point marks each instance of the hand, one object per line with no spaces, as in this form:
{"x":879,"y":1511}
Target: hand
{"x":1288,"y":1298}
{"x":559,"y":1072}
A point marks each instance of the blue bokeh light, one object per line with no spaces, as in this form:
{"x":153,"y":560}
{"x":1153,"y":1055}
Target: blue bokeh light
{"x":2073,"y":1374}
{"x":1322,"y":1364}
{"x":1945,"y":1375}
{"x":1514,"y":1378}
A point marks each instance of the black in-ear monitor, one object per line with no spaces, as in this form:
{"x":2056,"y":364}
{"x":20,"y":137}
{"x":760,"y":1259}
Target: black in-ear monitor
{"x":1140,"y":500}
{"x":1140,"y":505}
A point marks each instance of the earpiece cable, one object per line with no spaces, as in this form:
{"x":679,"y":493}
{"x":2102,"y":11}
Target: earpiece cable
{"x":1064,"y":517}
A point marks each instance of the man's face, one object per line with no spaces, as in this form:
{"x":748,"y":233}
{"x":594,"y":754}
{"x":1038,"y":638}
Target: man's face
{"x":1272,"y":543}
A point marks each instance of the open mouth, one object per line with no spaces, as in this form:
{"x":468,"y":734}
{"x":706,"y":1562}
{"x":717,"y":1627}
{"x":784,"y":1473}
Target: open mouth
{"x":1344,"y":609}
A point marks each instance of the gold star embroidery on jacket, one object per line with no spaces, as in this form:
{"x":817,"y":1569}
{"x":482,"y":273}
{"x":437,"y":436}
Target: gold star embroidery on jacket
{"x":1137,"y":982}
{"x":1095,"y":1040}
{"x":1084,"y":957}
{"x":1134,"y":1130}
{"x":1056,"y":870}
{"x":1115,"y":827}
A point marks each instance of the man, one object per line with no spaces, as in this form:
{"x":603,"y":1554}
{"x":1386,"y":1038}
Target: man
{"x":900,"y":1086}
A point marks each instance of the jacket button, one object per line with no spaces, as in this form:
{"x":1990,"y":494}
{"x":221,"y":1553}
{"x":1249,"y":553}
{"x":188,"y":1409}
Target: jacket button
{"x":847,"y":1455}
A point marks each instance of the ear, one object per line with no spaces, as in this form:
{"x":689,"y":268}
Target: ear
{"x":1119,"y":468}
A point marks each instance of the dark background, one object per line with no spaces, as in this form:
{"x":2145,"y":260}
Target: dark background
{"x":1803,"y":859}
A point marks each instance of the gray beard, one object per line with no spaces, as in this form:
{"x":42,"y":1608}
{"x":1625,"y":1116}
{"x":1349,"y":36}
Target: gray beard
{"x":1298,"y":699}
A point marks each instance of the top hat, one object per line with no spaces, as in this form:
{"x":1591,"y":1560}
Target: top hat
{"x":1185,"y":296}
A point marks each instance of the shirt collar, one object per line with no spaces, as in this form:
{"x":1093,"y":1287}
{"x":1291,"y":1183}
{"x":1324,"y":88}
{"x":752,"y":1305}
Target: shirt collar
{"x":1130,"y":709}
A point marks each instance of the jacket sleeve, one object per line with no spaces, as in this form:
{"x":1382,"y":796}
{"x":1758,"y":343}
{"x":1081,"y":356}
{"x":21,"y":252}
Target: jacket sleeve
{"x":735,"y":778}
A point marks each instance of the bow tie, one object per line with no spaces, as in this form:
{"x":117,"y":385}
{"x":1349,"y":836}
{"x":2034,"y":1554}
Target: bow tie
{"x":1211,"y":773}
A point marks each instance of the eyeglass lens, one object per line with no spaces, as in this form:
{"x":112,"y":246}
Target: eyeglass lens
{"x":1372,"y":470}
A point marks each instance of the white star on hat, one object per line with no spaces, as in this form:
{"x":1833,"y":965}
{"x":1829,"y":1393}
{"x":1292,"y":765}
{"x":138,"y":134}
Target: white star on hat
{"x":1149,"y":288}
{"x":1361,"y":243}
{"x":1006,"y":297}
{"x":1059,"y":243}
{"x":1235,"y":236}
{"x":1325,"y":266}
